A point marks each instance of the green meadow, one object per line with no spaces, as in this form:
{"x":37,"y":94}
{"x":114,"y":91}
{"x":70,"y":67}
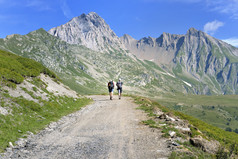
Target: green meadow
{"x":217,"y":110}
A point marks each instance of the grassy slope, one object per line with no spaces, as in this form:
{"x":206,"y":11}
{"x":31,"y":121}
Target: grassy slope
{"x":228,"y":140}
{"x":24,"y":115}
{"x":220,"y":111}
{"x":13,"y":69}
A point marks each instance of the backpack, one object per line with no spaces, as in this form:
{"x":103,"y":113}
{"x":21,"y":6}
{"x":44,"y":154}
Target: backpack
{"x":110,"y":84}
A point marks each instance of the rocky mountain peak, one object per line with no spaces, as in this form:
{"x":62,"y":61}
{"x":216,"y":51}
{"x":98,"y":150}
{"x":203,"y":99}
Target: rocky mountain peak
{"x":192,"y":31}
{"x":93,"y":15}
{"x":92,"y":19}
{"x":195,"y":32}
{"x":89,"y":30}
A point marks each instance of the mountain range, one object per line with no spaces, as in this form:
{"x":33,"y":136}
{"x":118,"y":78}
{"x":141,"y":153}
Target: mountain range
{"x":195,"y":56}
{"x":86,"y":54}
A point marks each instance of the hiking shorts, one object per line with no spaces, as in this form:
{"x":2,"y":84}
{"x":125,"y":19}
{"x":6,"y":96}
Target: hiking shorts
{"x":119,"y":90}
{"x":110,"y":90}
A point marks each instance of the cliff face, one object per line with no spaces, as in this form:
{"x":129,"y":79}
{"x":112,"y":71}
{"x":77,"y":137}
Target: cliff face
{"x":89,"y":30}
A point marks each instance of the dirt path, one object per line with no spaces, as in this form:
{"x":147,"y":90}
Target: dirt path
{"x":105,"y":129}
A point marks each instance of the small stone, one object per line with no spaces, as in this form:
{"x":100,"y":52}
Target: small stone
{"x":172,"y":133}
{"x":30,"y":133}
{"x":11,"y":145}
{"x":170,"y":119}
{"x":175,"y":143}
{"x":181,"y":128}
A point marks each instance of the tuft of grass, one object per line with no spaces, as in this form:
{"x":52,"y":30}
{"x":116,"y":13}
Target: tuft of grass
{"x":34,"y":89}
{"x":151,"y":123}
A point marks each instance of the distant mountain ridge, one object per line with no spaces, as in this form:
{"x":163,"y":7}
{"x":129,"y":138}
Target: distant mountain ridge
{"x":195,"y":55}
{"x":192,"y":63}
{"x":152,"y":48}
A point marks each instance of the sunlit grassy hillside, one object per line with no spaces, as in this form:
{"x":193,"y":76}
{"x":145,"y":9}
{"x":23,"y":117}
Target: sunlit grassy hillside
{"x":14,"y":68}
{"x":20,"y":115}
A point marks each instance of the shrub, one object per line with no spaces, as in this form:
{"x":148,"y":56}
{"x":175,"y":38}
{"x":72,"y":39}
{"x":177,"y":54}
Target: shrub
{"x":8,"y":75}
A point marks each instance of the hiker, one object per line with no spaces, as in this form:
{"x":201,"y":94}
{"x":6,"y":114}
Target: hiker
{"x":110,"y":88}
{"x":119,"y":88}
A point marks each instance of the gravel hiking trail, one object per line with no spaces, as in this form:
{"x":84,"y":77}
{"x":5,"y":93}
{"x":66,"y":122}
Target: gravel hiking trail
{"x":106,"y":129}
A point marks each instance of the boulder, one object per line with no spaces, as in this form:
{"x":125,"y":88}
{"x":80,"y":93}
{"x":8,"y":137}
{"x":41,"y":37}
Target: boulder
{"x":207,"y":146}
{"x":163,"y":116}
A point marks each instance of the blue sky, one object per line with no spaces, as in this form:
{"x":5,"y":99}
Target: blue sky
{"x":138,"y":18}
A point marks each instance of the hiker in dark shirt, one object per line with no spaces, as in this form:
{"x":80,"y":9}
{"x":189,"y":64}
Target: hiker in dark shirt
{"x":119,"y":88}
{"x":110,"y":86}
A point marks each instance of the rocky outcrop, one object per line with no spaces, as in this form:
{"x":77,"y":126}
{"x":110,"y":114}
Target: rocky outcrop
{"x":56,"y":88}
{"x":89,"y":30}
{"x":205,"y":145}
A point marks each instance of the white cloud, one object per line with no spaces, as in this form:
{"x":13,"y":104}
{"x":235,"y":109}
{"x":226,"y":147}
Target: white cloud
{"x":66,"y":10}
{"x":211,"y":27}
{"x":229,"y":7}
{"x":232,"y":41}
